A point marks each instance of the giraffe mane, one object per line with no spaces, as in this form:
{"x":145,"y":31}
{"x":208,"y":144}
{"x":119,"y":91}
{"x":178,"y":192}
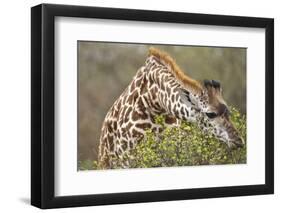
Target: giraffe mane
{"x":185,"y":80}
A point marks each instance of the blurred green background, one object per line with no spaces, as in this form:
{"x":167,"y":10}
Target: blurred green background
{"x":105,"y":69}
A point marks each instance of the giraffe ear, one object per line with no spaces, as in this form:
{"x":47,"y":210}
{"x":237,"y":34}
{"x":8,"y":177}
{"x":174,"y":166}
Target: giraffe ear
{"x":184,"y":95}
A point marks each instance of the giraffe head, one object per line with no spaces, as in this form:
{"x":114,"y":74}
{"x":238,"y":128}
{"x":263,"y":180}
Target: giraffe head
{"x":187,"y":99}
{"x":215,"y":115}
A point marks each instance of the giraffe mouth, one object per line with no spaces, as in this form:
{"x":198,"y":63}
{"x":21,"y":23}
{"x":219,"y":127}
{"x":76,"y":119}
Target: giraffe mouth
{"x":234,"y":144}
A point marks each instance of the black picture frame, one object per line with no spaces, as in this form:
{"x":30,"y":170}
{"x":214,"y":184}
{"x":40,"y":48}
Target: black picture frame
{"x":43,"y":102}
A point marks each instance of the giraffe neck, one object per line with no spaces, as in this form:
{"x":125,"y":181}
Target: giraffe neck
{"x":153,"y":91}
{"x":165,"y":94}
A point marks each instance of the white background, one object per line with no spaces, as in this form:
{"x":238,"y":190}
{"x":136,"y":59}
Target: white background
{"x":70,"y":182}
{"x":15,"y":106}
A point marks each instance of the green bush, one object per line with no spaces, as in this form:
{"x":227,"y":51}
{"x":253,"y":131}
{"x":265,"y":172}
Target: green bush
{"x":87,"y":165}
{"x":185,"y":145}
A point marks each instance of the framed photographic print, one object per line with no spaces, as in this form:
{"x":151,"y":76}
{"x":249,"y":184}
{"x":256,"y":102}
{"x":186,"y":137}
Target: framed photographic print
{"x":139,"y":106}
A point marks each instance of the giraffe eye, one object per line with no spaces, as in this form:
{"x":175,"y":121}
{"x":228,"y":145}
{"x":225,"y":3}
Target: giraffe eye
{"x":211,"y":114}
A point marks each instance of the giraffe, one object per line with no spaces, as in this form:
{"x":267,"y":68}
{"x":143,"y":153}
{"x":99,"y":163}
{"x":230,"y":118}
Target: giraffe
{"x":160,"y":87}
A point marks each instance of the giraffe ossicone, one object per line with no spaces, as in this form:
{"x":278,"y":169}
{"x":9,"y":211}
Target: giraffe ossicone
{"x":160,"y":87}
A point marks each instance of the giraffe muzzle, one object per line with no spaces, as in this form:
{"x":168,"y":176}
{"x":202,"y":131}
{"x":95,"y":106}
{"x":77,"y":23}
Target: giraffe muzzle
{"x":238,"y":143}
